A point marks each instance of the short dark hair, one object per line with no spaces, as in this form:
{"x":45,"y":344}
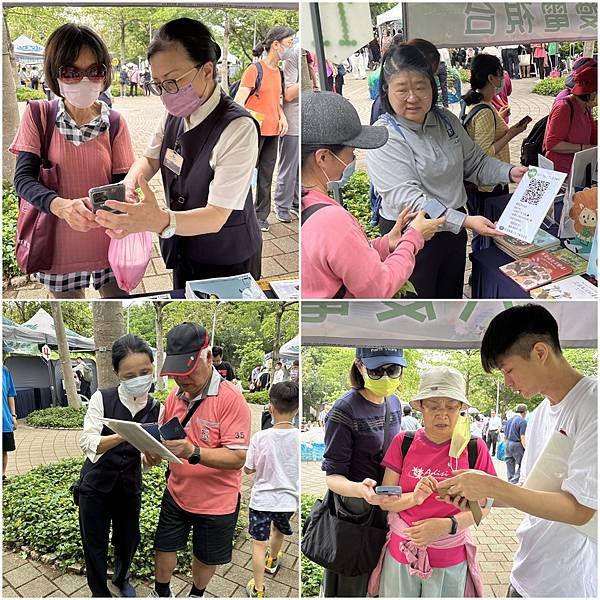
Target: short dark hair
{"x":406,"y":410}
{"x":193,"y":35}
{"x":284,"y":396}
{"x":482,"y":66}
{"x":401,"y":58}
{"x":429,"y":51}
{"x":63,"y":48}
{"x":217,"y":351}
{"x":129,"y":344}
{"x":357,"y":381}
{"x":521,"y":409}
{"x":515,"y":331}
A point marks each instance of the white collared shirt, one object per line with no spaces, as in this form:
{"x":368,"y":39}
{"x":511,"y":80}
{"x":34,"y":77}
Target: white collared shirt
{"x":232,"y":159}
{"x":92,"y":423}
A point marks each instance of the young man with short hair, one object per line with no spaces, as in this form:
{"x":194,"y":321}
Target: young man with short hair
{"x":514,"y":431}
{"x":554,"y":558}
{"x":224,"y":368}
{"x":273,"y":458}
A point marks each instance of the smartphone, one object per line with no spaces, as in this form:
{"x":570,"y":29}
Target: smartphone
{"x":99,"y":196}
{"x":388,"y":490}
{"x":172,"y":430}
{"x":433,"y":210}
{"x":524,"y":120}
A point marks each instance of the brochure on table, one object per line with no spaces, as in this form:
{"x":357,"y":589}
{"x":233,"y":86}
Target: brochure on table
{"x":549,"y":471}
{"x":237,"y":287}
{"x":286,"y":289}
{"x":529,"y":204}
{"x":139,"y":438}
{"x":570,"y":288}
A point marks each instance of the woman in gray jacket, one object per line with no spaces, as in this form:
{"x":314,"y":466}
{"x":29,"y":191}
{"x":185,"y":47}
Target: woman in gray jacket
{"x":422,"y":167}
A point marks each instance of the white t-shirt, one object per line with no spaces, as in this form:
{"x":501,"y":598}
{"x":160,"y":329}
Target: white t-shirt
{"x":273,"y":453}
{"x":494,"y":424}
{"x":555,"y":559}
{"x":278,"y":376}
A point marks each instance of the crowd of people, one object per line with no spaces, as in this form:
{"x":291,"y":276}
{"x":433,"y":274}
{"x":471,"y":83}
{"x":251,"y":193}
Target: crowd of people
{"x":440,"y":467}
{"x":432,"y":173}
{"x":208,"y":185}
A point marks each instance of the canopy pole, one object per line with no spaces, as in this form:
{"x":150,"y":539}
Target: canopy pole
{"x":315,"y":18}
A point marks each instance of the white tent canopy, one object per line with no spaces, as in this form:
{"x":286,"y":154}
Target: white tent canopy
{"x":27,"y":51}
{"x":427,"y":324}
{"x":394,"y":14}
{"x":290,"y":350}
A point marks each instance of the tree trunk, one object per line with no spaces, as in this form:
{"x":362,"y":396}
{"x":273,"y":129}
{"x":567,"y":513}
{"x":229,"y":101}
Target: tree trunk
{"x":158,"y":307}
{"x":10,"y":110}
{"x":109,"y":325}
{"x":122,"y":31}
{"x":277,"y":341}
{"x":65,"y":356}
{"x":225,"y":55}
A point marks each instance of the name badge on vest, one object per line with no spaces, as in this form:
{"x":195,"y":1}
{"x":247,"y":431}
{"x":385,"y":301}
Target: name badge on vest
{"x":173,"y":161}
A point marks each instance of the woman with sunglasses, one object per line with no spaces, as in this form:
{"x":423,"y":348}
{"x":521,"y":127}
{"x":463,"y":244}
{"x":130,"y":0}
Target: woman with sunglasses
{"x":266,"y":104}
{"x":355,"y":436}
{"x":90,"y":147}
{"x":430,"y":552}
{"x":206,"y":148}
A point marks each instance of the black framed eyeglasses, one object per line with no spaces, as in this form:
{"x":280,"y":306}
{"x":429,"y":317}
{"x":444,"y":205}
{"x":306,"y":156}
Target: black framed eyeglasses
{"x":170,"y":86}
{"x":392,"y":371}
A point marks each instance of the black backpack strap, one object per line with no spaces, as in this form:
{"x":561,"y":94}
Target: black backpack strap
{"x":386,"y":426}
{"x":258,"y":80}
{"x":409,"y":436}
{"x":466,"y":119}
{"x":472,"y":452}
{"x":310,"y":211}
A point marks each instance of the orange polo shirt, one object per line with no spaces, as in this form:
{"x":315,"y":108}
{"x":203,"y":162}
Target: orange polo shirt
{"x":222,"y":420}
{"x":268,"y":101}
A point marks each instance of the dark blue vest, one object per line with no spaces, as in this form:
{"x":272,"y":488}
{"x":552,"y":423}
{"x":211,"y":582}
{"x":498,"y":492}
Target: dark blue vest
{"x":120,"y":466}
{"x":239,"y":238}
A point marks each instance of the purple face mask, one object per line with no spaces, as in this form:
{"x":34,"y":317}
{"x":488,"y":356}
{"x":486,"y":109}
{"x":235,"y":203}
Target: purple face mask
{"x":184,"y":102}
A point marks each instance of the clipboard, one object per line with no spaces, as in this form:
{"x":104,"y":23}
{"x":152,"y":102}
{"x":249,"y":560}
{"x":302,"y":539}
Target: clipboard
{"x":139,"y":438}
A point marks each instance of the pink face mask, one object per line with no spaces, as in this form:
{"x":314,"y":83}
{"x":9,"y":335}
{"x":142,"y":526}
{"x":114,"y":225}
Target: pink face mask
{"x":183,"y":102}
{"x":82,"y":94}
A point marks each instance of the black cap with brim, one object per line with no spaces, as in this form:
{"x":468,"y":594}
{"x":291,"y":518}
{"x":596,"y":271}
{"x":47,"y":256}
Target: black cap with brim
{"x":185,"y":342}
{"x":180,"y":365}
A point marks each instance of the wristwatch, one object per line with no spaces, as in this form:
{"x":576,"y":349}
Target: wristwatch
{"x":169,"y":230}
{"x":454,"y":528}
{"x":194,"y":459}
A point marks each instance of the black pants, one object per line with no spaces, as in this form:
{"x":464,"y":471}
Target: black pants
{"x":513,"y":63}
{"x":267,"y":158}
{"x":187,"y":270}
{"x":440,"y":266}
{"x":339,"y":84}
{"x":492,"y":441}
{"x":539,"y":67}
{"x":133,"y":87}
{"x":512,"y":593}
{"x":96,"y":512}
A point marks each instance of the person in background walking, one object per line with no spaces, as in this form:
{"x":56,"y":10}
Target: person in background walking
{"x":493,"y":429}
{"x":515,"y":443}
{"x":123,"y":80}
{"x":35,"y":78}
{"x":287,"y":200}
{"x":540,"y":58}
{"x":9,"y":417}
{"x":408,"y":423}
{"x":146,"y":78}
{"x":134,"y":79}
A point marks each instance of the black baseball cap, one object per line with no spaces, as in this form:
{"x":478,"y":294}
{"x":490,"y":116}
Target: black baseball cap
{"x":184,"y":344}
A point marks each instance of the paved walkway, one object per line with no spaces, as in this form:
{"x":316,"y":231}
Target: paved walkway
{"x":280,"y":244}
{"x":522,"y":103}
{"x":495,"y":537}
{"x":26,"y":578}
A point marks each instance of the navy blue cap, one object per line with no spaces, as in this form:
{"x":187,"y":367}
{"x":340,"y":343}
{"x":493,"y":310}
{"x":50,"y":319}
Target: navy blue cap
{"x":373,"y":358}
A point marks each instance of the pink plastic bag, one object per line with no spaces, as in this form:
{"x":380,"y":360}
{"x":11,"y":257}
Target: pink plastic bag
{"x":129,"y":257}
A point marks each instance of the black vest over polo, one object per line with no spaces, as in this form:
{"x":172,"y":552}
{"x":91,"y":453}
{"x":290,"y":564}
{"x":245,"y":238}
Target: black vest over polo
{"x":239,"y":238}
{"x":120,"y":465}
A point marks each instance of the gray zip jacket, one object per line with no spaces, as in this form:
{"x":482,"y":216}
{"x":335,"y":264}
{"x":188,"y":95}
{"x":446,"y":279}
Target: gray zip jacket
{"x":430,"y":160}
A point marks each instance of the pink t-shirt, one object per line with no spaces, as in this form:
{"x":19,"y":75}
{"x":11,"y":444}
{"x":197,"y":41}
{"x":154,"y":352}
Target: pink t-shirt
{"x":80,"y":168}
{"x":428,"y":458}
{"x":222,"y":420}
{"x":335,"y":251}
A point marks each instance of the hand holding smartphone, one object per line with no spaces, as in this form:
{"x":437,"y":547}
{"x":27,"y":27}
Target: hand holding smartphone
{"x":99,"y":196}
{"x":524,"y":121}
{"x":388,"y":490}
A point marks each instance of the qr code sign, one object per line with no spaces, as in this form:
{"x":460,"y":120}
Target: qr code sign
{"x":535,"y":190}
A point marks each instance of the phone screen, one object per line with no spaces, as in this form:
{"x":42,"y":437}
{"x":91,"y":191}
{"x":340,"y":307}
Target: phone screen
{"x":434,"y":208}
{"x":100,"y":195}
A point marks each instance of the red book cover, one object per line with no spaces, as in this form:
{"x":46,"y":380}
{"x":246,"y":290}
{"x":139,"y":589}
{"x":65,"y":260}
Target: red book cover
{"x":536,"y":270}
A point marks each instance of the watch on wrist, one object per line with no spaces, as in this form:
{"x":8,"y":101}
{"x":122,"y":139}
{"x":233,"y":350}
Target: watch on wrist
{"x":194,"y":459}
{"x":454,"y":527}
{"x":169,"y":230}
{"x":14,"y":415}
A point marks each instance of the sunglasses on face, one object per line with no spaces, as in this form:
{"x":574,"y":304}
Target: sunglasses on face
{"x":392,"y":371}
{"x":94,"y":73}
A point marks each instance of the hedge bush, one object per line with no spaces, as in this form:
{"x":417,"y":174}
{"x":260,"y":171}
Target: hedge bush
{"x":115,"y":88}
{"x":257,"y":397}
{"x":39,"y":513}
{"x":550,"y":86}
{"x":10,"y":210}
{"x":311,"y":574}
{"x":465,"y":75}
{"x":59,"y":416}
{"x":25,"y":93}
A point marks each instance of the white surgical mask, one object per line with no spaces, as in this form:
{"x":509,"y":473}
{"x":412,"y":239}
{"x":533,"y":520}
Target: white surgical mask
{"x":138,"y":386}
{"x":347,"y":173}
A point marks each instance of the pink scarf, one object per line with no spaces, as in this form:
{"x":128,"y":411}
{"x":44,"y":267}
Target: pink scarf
{"x":418,"y":560}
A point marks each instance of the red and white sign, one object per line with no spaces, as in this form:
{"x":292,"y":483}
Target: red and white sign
{"x":46,"y":351}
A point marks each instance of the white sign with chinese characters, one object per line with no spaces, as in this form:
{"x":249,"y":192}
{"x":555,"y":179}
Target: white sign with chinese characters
{"x":529,"y":204}
{"x":465,"y":24}
{"x":346,"y":28}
